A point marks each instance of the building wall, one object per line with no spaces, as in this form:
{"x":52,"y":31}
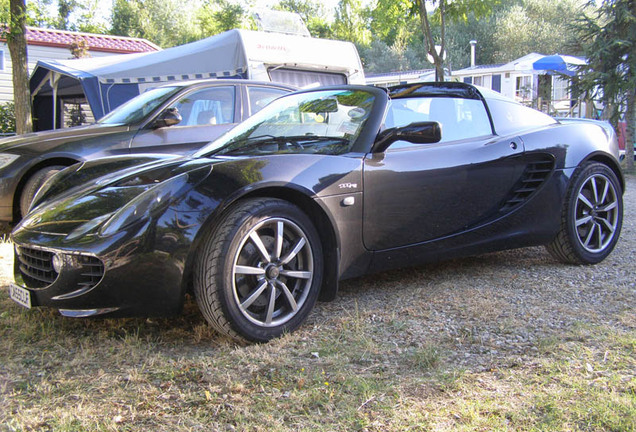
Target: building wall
{"x":34,"y":53}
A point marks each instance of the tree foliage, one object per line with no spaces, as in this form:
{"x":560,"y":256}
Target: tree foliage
{"x":607,"y":38}
{"x":350,"y":22}
{"x":313,"y":14}
{"x":164,"y":22}
{"x":217,"y":16}
{"x":533,"y":26}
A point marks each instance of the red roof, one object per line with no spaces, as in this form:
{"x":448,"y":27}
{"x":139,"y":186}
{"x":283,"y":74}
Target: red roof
{"x":96,"y":42}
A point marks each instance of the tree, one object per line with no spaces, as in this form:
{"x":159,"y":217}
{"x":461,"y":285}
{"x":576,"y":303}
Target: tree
{"x":533,"y":26}
{"x":350,"y":23}
{"x":165,"y":22}
{"x":312,"y":13}
{"x":217,"y":16}
{"x":453,"y":10}
{"x":607,"y":38}
{"x":16,"y":40}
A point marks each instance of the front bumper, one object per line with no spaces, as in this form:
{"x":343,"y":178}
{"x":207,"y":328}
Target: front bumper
{"x":122,"y":279}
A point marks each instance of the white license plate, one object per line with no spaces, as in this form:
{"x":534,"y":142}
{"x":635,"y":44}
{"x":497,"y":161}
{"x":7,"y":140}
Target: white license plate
{"x":20,"y":295}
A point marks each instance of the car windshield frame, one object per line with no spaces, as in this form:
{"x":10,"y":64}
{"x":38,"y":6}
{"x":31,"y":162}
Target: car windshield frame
{"x":328,"y":121}
{"x":140,"y":107}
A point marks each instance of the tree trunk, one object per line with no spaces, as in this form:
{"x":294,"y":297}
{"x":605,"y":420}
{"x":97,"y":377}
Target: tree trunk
{"x":16,"y":40}
{"x":630,"y":118}
{"x":439,"y":70}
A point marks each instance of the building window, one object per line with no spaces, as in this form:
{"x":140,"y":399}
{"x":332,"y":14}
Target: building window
{"x":560,"y":89}
{"x":1,"y":60}
{"x":523,"y":88}
{"x":478,"y":80}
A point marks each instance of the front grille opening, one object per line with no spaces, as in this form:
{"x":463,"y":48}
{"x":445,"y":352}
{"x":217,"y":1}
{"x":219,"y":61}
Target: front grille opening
{"x":92,"y":271}
{"x":80,"y":271}
{"x":36,"y":267}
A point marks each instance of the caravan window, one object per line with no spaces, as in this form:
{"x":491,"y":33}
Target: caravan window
{"x":210,"y":106}
{"x":303,"y":78}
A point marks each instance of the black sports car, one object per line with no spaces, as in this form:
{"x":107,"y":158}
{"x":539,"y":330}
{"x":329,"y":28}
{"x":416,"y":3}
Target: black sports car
{"x":321,"y":185}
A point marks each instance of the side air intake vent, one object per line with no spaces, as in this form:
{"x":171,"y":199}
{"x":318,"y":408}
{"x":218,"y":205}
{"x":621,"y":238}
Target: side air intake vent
{"x":535,"y":174}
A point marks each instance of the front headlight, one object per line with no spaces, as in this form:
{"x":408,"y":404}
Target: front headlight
{"x":153,"y":199}
{"x":7,"y":158}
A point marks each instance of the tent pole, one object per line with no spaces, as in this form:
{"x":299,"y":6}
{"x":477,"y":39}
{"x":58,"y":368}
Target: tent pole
{"x":54,"y":80}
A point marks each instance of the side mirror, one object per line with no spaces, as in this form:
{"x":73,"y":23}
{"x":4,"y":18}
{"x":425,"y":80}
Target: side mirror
{"x":416,"y":133}
{"x":169,"y":117}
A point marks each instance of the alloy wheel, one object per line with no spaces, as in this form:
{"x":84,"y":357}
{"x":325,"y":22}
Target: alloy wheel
{"x":272,"y":272}
{"x":596,"y":213}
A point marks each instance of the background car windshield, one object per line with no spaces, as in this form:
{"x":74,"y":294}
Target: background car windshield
{"x":326,"y":122}
{"x":138,"y":108}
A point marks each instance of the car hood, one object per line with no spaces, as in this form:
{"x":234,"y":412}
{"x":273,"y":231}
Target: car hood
{"x":59,"y":135}
{"x":95,"y":190}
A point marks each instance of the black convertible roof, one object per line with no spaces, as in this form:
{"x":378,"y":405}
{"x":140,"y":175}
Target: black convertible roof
{"x":434,"y":89}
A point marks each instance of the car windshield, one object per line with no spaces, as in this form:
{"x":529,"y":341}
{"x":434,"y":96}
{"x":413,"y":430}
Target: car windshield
{"x":139,"y":107}
{"x":322,"y":121}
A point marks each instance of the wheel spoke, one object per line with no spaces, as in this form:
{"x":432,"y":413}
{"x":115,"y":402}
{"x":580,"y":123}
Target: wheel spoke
{"x":253,"y":296}
{"x":270,"y":306}
{"x":297,"y":248}
{"x":296,"y":274}
{"x":583,"y":220}
{"x":589,"y":236}
{"x":280,"y":227}
{"x":604,"y":195}
{"x":600,"y":236}
{"x":594,"y":188}
{"x":608,"y":225}
{"x":585,"y":201}
{"x":260,"y":246}
{"x":239,"y":269}
{"x":610,"y":206}
{"x":290,"y":298}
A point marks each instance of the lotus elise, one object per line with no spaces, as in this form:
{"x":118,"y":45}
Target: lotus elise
{"x":321,"y":185}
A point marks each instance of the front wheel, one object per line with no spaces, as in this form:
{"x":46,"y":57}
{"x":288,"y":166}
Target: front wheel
{"x":34,"y":183}
{"x":259,"y":272}
{"x":592,"y":216}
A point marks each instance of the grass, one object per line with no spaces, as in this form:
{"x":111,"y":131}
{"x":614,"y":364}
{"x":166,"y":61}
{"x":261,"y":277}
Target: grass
{"x":357,"y":365}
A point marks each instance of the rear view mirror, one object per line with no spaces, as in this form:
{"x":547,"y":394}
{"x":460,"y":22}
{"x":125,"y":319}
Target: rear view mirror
{"x":416,"y":133}
{"x":169,"y":117}
{"x":319,"y":106}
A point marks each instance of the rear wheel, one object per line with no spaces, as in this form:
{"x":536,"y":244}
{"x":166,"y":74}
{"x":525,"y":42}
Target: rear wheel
{"x":259,"y":272}
{"x":592,"y":216}
{"x":34,"y":183}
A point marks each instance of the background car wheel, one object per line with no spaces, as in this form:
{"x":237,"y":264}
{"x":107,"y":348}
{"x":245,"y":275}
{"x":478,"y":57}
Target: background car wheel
{"x":592,"y":216}
{"x":33,"y":184}
{"x":259,"y":272}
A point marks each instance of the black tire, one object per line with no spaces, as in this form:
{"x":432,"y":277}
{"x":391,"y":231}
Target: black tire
{"x":592,"y":216}
{"x":34,"y":183}
{"x":253,"y":292}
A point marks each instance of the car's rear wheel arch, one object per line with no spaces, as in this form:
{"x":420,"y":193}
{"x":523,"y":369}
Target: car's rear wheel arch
{"x":65,"y":162}
{"x":316,"y":214}
{"x":611,"y":164}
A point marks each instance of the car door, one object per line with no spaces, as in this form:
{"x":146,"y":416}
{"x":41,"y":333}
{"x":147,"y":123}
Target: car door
{"x":207,"y":112}
{"x":415,"y":193}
